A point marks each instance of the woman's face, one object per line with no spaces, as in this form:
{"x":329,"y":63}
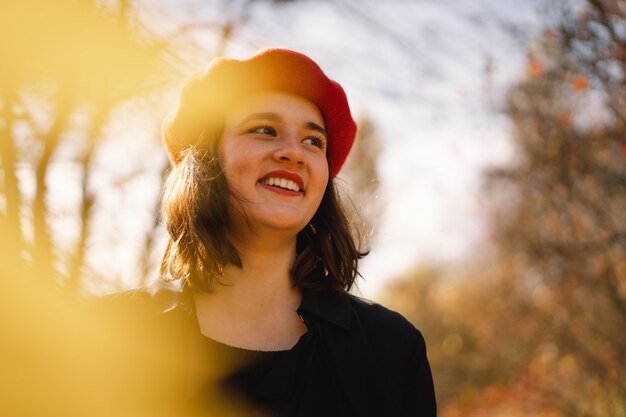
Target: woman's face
{"x":273,"y":153}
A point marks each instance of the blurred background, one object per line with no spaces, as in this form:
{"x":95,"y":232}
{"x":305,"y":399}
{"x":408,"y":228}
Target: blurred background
{"x":490,"y":172}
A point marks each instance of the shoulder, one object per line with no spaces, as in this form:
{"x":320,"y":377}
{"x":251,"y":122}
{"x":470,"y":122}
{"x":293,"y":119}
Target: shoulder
{"x":141,"y":352}
{"x":390,"y":335}
{"x":383,"y":322}
{"x":146,"y":311}
{"x":399,"y":351}
{"x":138,"y":301}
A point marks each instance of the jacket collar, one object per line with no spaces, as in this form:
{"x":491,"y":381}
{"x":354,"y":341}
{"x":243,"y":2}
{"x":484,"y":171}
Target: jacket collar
{"x":331,"y":306}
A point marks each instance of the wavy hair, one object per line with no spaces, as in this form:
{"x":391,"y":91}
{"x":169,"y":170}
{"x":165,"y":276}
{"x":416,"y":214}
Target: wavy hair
{"x":195,"y":213}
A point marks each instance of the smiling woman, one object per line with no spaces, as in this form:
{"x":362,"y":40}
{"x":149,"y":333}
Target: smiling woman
{"x":261,"y":256}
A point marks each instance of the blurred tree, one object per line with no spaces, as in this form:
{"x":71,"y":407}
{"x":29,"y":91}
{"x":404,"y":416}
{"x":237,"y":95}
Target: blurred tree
{"x":537,"y":327}
{"x":360,"y":174}
{"x":566,"y":216}
{"x":481,"y":336}
{"x":67,"y":67}
{"x":71,"y":71}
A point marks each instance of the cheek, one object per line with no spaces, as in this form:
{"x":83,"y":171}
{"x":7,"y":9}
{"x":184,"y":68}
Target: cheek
{"x":322,"y":180}
{"x":325,"y":175}
{"x":233,"y":166}
{"x":234,"y":159}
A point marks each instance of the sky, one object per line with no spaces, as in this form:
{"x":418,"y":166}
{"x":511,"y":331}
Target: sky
{"x":432,"y":75}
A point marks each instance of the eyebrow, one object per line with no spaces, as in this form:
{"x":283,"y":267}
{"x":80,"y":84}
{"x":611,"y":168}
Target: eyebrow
{"x":275,"y":117}
{"x":317,"y":128}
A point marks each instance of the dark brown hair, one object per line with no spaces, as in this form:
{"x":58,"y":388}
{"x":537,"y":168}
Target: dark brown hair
{"x":194,"y":210}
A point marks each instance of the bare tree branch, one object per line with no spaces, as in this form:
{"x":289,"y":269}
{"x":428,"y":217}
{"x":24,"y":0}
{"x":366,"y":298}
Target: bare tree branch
{"x":43,"y":250}
{"x":87,"y":200}
{"x":10,"y":221}
{"x":145,"y":262}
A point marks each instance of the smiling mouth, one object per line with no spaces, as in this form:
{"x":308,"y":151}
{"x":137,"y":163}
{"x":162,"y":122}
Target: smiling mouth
{"x":281,"y":183}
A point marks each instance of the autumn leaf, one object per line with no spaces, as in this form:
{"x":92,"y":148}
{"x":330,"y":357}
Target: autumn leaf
{"x":580,"y":83}
{"x":535,"y":69}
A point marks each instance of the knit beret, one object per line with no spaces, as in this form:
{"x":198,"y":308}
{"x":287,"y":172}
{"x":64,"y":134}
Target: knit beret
{"x":207,"y":96}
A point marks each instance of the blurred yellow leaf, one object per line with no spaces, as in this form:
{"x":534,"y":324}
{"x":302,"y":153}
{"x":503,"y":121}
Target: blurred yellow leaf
{"x":74,"y":43}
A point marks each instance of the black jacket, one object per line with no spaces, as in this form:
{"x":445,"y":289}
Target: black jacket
{"x":378,"y":359}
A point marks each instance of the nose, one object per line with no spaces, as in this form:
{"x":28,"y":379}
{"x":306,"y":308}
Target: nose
{"x":290,"y":150}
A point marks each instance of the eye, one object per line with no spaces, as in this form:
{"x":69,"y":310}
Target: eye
{"x":264,"y":130}
{"x":317,"y":141}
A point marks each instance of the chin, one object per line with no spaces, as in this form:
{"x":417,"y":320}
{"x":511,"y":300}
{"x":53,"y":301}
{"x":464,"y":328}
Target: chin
{"x":282,"y":217}
{"x":295,"y":227}
{"x":283,"y":222}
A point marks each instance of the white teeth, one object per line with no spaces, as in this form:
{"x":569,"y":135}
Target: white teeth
{"x":282,"y":183}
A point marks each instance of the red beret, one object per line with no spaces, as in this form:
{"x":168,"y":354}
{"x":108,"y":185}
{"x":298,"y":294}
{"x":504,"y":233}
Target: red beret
{"x":207,"y":95}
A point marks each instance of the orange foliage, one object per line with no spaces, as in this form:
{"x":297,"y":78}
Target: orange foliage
{"x":580,"y":83}
{"x":536,"y":328}
{"x":535,"y":68}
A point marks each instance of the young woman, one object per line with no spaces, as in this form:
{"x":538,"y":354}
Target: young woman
{"x":262,"y":251}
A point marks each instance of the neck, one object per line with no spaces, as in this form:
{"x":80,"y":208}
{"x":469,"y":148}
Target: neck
{"x":264,"y":282}
{"x":254,"y":307}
